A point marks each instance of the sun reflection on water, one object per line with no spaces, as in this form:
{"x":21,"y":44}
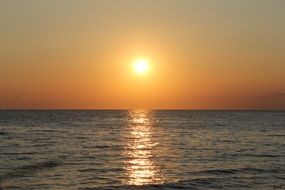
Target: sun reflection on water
{"x":141,"y":166}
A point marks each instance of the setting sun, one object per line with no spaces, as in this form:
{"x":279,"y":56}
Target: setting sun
{"x":141,"y":66}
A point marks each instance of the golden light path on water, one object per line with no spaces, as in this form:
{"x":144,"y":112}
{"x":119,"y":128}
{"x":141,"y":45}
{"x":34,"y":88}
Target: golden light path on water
{"x":141,"y":166}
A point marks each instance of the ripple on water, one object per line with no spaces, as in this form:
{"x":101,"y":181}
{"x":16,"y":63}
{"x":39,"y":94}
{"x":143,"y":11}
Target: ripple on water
{"x":142,"y":150}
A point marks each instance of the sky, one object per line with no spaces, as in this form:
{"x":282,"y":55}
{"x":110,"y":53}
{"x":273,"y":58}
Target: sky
{"x":210,"y":54}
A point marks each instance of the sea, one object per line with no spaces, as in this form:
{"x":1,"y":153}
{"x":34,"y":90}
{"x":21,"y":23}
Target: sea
{"x":142,"y":149}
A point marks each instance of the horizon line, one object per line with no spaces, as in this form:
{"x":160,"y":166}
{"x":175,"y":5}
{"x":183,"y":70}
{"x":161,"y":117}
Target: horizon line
{"x":128,"y":109}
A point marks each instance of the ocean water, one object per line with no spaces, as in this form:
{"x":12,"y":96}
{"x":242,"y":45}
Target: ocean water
{"x":140,"y":149}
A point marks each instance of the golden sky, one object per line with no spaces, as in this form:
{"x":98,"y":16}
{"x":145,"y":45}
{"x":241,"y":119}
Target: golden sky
{"x":66,"y":54}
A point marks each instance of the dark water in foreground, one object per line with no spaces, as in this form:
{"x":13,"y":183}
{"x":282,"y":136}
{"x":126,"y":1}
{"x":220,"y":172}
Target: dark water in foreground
{"x":142,"y":150}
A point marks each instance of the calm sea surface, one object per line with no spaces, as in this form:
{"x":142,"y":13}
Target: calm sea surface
{"x":142,"y":150}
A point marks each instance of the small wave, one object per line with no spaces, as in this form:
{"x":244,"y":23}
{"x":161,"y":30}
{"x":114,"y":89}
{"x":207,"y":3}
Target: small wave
{"x":3,"y":133}
{"x":202,"y":183}
{"x":239,"y":170}
{"x":276,"y":135}
{"x":229,"y":171}
{"x":18,"y":153}
{"x":100,"y":170}
{"x":102,"y":146}
{"x":259,"y":155}
{"x":219,"y":124}
{"x":24,"y":170}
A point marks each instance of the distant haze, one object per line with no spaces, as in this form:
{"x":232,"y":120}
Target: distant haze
{"x":222,"y":54}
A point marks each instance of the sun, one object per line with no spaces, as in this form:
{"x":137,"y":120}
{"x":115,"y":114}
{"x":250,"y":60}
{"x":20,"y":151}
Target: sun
{"x":141,"y":66}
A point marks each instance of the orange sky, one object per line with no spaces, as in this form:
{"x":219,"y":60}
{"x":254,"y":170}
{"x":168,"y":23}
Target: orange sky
{"x":203,"y":54}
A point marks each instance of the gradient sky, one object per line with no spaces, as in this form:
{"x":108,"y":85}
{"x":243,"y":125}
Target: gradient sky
{"x":210,"y":54}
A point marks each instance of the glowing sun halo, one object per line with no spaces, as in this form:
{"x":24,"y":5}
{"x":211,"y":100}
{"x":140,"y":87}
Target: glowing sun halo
{"x":141,"y":66}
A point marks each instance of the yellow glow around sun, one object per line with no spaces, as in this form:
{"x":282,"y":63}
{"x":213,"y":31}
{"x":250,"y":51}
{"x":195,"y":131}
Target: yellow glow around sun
{"x":141,"y":66}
